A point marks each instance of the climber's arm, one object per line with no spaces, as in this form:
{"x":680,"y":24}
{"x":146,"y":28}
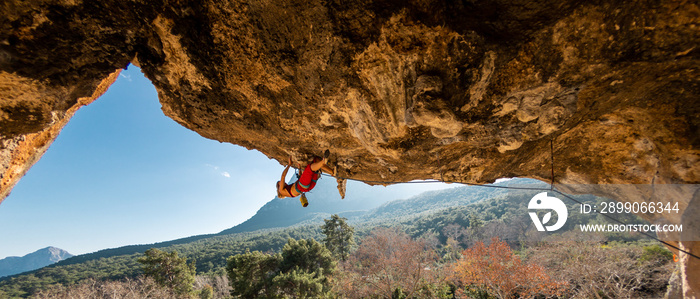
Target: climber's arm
{"x":284,"y":176}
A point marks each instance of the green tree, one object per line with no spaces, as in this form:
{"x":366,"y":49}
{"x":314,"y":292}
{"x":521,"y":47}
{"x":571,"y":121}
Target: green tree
{"x":169,"y":270}
{"x":656,"y":254}
{"x":305,"y":266}
{"x":300,"y":284}
{"x":307,"y":255}
{"x":301,"y":270}
{"x":339,"y":236}
{"x":250,"y":274}
{"x":475,"y":232}
{"x":207,"y":292}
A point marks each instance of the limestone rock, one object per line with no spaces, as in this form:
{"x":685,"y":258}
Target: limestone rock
{"x":464,"y":91}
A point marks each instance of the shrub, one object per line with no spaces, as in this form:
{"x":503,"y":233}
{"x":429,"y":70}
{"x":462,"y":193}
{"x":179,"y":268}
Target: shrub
{"x":496,"y":270}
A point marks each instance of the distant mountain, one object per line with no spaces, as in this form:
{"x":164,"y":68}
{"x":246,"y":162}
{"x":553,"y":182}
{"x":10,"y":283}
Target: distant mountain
{"x":365,"y":207}
{"x":38,"y":259}
{"x":362,"y":203}
{"x":323,"y":200}
{"x":432,"y":201}
{"x":365,"y":203}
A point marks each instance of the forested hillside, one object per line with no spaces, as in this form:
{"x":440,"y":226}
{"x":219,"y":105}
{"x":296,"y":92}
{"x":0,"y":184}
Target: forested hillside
{"x":281,"y":213}
{"x":323,"y":200}
{"x":464,"y":214}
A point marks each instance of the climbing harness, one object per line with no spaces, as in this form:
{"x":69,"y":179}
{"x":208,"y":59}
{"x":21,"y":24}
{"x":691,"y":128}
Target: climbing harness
{"x":305,"y":188}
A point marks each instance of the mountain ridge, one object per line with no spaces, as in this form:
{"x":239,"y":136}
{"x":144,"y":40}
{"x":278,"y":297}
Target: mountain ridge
{"x":422,"y":212}
{"x":324,"y":198}
{"x":12,"y":265}
{"x":321,"y":199}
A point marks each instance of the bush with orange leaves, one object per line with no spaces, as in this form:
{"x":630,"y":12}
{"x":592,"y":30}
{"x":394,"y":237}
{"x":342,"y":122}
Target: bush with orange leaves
{"x":496,"y":270}
{"x":390,"y":264}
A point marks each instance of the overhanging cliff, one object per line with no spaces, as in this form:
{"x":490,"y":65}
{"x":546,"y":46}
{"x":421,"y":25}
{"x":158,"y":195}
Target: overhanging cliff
{"x":463,"y":91}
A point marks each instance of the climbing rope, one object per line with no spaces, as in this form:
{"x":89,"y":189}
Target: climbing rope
{"x":621,"y":222}
{"x":551,"y":153}
{"x":438,"y":181}
{"x":517,"y":188}
{"x":551,"y":188}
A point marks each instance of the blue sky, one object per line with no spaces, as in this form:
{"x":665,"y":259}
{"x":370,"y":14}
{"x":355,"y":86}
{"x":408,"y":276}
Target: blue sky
{"x":122,"y":173}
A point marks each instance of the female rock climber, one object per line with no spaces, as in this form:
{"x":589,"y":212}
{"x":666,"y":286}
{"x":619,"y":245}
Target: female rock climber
{"x":307,"y":179}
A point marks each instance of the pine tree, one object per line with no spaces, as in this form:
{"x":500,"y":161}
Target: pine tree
{"x":301,"y":270}
{"x":169,"y":270}
{"x":339,"y":236}
{"x":304,"y":270}
{"x":251,"y":274}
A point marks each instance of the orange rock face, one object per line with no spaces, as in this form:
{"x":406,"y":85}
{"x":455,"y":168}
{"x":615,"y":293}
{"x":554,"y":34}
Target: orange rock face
{"x":463,"y":91}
